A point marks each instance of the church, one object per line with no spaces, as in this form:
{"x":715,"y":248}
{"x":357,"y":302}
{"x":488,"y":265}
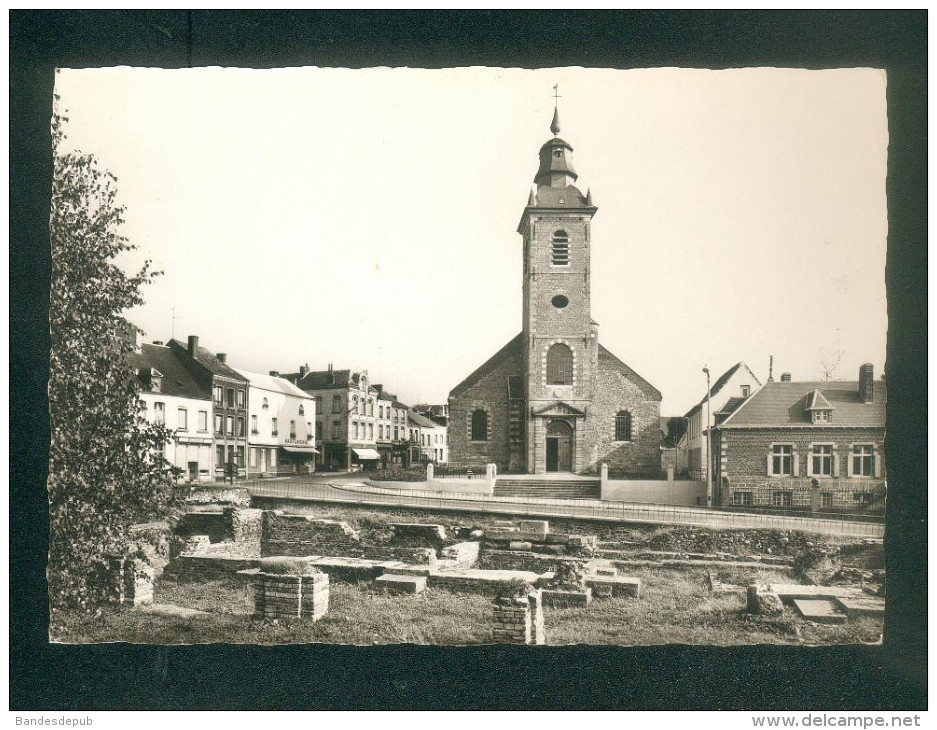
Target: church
{"x":553,"y":399}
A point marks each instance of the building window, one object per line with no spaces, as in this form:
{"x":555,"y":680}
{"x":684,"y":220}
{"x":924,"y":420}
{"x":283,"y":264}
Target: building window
{"x":219,"y":395}
{"x":480,"y":425}
{"x":560,"y":249}
{"x":182,"y":419}
{"x":230,"y":396}
{"x":241,"y":398}
{"x":336,"y":404}
{"x":862,"y":497}
{"x":863,"y":460}
{"x":559,"y":365}
{"x":782,"y":460}
{"x":370,"y":432}
{"x":370,"y":407}
{"x":273,"y":427}
{"x":203,"y":420}
{"x":354,"y":404}
{"x":292,"y":429}
{"x":229,"y":426}
{"x":240,"y":453}
{"x":826,"y":499}
{"x":336,"y":430}
{"x":219,"y":457}
{"x":254,"y":425}
{"x":253,"y":458}
{"x":354,"y":429}
{"x":159,"y":413}
{"x":241,"y":425}
{"x":219,"y":425}
{"x":782,"y":499}
{"x":319,"y":404}
{"x":623,"y":426}
{"x":822,"y":416}
{"x":742,"y":498}
{"x":746,"y":391}
{"x":396,"y":433}
{"x":560,"y":301}
{"x":821,"y":460}
{"x":302,"y":411}
{"x":265,"y":405}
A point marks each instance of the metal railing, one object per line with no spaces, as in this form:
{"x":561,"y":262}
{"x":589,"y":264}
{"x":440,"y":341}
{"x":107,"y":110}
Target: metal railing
{"x":302,"y":490}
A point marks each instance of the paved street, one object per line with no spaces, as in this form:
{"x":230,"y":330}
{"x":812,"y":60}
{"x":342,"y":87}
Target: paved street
{"x":351,"y":488}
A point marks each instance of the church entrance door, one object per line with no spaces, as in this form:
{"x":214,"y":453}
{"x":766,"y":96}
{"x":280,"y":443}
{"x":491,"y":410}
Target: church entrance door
{"x":559,"y":446}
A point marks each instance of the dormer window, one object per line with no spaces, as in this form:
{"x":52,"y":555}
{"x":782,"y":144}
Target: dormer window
{"x":823,"y":416}
{"x":746,"y":391}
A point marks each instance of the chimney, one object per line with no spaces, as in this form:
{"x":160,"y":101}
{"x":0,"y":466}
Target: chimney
{"x":330,"y":378}
{"x":303,"y":369}
{"x":275,"y":373}
{"x":222,"y":357}
{"x":785,"y":377}
{"x":866,"y":383}
{"x":193,"y":345}
{"x":771,"y":368}
{"x":157,"y":342}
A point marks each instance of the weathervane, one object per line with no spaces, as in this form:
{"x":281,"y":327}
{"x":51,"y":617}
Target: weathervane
{"x":555,"y":125}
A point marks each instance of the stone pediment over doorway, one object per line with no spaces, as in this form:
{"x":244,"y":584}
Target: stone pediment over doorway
{"x":558,"y":408}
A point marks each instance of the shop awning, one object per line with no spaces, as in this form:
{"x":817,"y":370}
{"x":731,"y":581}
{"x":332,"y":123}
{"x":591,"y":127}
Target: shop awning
{"x":300,"y":449}
{"x":366,"y":454}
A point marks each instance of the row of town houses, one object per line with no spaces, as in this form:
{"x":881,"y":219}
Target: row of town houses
{"x":228,"y":422}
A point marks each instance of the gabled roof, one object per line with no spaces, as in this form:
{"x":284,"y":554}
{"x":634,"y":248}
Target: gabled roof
{"x":421,"y":420}
{"x":319,"y":379}
{"x":176,"y":378}
{"x":559,"y":408}
{"x":785,"y":404}
{"x":272,"y":383}
{"x":609,"y":359}
{"x":511,"y":349}
{"x":207,"y":360}
{"x":721,"y":383}
{"x":816,"y":402}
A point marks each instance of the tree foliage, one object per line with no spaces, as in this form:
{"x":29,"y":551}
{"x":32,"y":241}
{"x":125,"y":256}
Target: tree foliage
{"x":106,"y":464}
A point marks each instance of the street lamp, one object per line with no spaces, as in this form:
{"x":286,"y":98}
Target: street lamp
{"x":709,"y":481}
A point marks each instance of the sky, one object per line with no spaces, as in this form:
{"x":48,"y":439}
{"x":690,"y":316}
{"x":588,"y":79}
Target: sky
{"x":367,"y":218}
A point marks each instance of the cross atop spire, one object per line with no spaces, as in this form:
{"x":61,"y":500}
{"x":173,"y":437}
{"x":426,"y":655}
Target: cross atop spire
{"x":555,"y":124}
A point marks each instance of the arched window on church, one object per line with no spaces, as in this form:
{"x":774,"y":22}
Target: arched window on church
{"x":560,"y":249}
{"x":559,"y":365}
{"x":480,"y":425}
{"x":623,"y":426}
{"x":302,"y":411}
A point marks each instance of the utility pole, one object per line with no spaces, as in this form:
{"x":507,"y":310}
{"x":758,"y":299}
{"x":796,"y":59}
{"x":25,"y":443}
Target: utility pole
{"x":709,"y":478}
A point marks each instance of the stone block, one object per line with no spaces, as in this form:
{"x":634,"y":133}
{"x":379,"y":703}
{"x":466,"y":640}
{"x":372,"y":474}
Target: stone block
{"x":537,"y":527}
{"x":819,"y":611}
{"x":463,"y":554}
{"x":583,"y":541}
{"x":552,"y":549}
{"x":556,"y":598}
{"x":291,"y":596}
{"x":520,"y":545}
{"x":760,"y":599}
{"x":427,"y":533}
{"x":401,"y":583}
{"x":614,"y":587}
{"x":858,"y":606}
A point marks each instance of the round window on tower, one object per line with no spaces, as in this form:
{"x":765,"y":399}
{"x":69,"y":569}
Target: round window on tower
{"x":559,"y":301}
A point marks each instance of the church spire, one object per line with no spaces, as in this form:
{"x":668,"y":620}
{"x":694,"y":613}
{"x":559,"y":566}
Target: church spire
{"x":555,"y":124}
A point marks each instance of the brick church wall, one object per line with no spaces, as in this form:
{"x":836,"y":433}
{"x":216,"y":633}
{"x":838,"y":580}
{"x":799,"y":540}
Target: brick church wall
{"x":613,"y":393}
{"x":491,"y":394}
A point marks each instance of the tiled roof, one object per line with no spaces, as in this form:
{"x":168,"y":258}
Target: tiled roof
{"x":785,"y":404}
{"x":207,"y":359}
{"x":512,"y":349}
{"x":609,"y":359}
{"x":422,"y":421}
{"x":319,"y":379}
{"x":176,"y":378}
{"x":272,"y":383}
{"x":720,"y":384}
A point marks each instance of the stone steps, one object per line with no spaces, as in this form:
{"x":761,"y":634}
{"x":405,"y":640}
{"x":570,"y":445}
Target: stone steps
{"x":548,"y":488}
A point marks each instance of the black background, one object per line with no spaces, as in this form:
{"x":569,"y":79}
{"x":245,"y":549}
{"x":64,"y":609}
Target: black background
{"x":120,"y":676}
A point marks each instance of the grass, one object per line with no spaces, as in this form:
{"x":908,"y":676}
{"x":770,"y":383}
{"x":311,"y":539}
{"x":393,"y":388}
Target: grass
{"x":675,"y":608}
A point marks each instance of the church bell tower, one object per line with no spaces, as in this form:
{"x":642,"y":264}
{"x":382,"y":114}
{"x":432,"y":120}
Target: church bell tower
{"x":560,"y":338}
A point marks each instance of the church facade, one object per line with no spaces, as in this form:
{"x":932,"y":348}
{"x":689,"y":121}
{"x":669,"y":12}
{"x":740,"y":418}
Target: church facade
{"x":553,"y":399}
